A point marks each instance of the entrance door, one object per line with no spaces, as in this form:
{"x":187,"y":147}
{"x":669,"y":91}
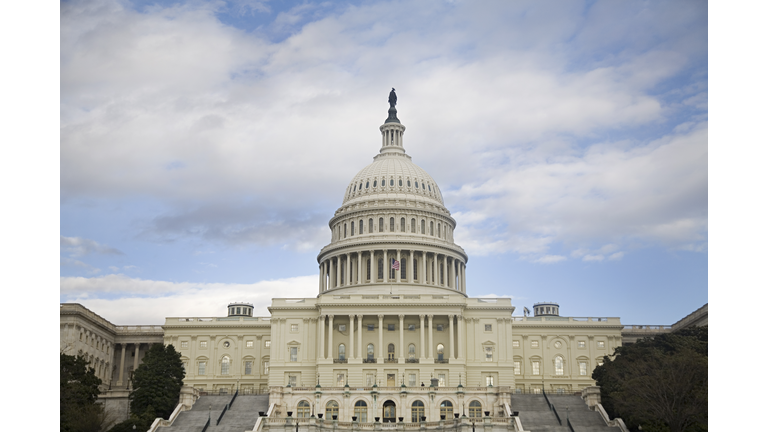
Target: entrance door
{"x":390,"y":412}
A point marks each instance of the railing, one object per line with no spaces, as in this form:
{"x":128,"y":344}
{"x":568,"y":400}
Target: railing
{"x":568,"y":423}
{"x":552,"y":407}
{"x":390,"y":360}
{"x":339,"y":360}
{"x":367,"y":360}
{"x":207,"y":423}
{"x":443,"y":361}
{"x":411,"y":360}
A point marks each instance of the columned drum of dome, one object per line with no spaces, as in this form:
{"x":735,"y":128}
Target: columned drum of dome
{"x":392,"y":233}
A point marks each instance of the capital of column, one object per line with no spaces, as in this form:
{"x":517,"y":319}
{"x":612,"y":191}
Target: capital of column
{"x":430,"y":316}
{"x":330,"y":316}
{"x":381,"y":317}
{"x":421,"y":317}
{"x":401,"y":316}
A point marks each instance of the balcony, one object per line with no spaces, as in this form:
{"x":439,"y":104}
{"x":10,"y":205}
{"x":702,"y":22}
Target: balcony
{"x":369,"y":360}
{"x":339,"y":360}
{"x":443,"y":361}
{"x":390,"y":360}
{"x":412,"y":360}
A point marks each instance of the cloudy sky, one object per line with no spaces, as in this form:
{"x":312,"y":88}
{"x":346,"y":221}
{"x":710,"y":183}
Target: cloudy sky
{"x":205,"y":145}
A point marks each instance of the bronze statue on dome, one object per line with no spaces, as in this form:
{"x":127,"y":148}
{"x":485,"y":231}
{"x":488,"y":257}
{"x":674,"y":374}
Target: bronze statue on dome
{"x":392,"y":98}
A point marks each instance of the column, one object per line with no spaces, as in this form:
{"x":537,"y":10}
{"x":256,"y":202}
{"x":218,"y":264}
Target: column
{"x":459,"y":320}
{"x":397,"y":272}
{"x":450,"y":337}
{"x":381,"y":336}
{"x":360,"y":335}
{"x":445,"y":271}
{"x":330,"y":336}
{"x":386,"y":266}
{"x":122,"y":366}
{"x":337,"y":283}
{"x":360,"y":278}
{"x":422,"y":353}
{"x":431,"y":354}
{"x":352,"y":336}
{"x":464,"y":277}
{"x":320,"y":279}
{"x":452,"y":275}
{"x":321,"y":338}
{"x":136,"y":357}
{"x":348,"y":280}
{"x":402,"y":353}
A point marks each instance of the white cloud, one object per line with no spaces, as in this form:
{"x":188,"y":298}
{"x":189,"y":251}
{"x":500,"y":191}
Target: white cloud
{"x":616,"y":256}
{"x":593,"y":258}
{"x":548,"y":259}
{"x":78,"y":247}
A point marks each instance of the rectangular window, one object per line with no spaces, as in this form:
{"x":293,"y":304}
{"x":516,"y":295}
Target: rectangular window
{"x":441,"y":380}
{"x":201,"y":368}
{"x":294,"y":328}
{"x":340,"y":380}
{"x":184,"y":344}
{"x":583,"y":368}
{"x":517,"y":368}
{"x":249,"y":344}
{"x":248,"y":367}
{"x":439,"y":327}
{"x":411,"y":327}
{"x":488,"y":327}
{"x":582,"y":344}
{"x":369,"y":380}
{"x":370,"y":327}
{"x":535,"y":368}
{"x":534,"y":344}
{"x":488,"y":353}
{"x":489,"y":381}
{"x":342,"y":327}
{"x":601,"y":344}
{"x":203,"y":344}
{"x":292,"y":380}
{"x":266,"y":368}
{"x":267,"y":344}
{"x":294,"y":354}
{"x":515,"y":344}
{"x":412,"y":380}
{"x":390,"y":327}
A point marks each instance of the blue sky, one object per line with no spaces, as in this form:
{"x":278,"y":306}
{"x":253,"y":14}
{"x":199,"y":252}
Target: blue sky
{"x":205,"y":146}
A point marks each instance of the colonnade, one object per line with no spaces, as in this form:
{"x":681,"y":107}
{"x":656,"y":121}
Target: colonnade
{"x":426,"y":349}
{"x":422,"y":267}
{"x":122,"y":379}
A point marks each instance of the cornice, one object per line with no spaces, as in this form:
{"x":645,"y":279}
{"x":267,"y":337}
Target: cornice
{"x":413,"y":244}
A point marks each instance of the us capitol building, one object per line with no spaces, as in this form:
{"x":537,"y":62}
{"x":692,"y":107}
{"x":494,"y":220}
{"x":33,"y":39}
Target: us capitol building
{"x":391,"y":333}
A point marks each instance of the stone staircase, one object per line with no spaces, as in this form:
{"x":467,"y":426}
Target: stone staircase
{"x":536,"y":416}
{"x":242,"y":415}
{"x":194,"y":420}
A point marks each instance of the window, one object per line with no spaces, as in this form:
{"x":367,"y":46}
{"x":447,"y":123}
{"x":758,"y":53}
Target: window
{"x":559,"y":365}
{"x":413,"y":225}
{"x":411,"y":351}
{"x":488,"y":353}
{"x":601,"y":344}
{"x":352,"y":228}
{"x":184,"y":344}
{"x":423,"y":231}
{"x":238,"y":311}
{"x":489,"y":381}
{"x":302,"y":409}
{"x":446,"y":410}
{"x":402,"y":224}
{"x":582,"y":344}
{"x":535,"y":368}
{"x":203,"y":344}
{"x":201,"y":368}
{"x":441,"y":380}
{"x":582,"y":368}
{"x":361,"y":411}
{"x":360,"y":226}
{"x":370,"y":327}
{"x":391,"y":224}
{"x":345,"y":230}
{"x":475,"y":409}
{"x":369,"y":352}
{"x":340,"y":379}
{"x":266,"y":368}
{"x":515,"y":344}
{"x":411,"y":327}
{"x":342,"y":328}
{"x":294,"y":354}
{"x":375,"y":182}
{"x":517,"y":368}
{"x":400,"y":182}
{"x":390,"y":327}
{"x":391,"y":351}
{"x":225,"y":365}
{"x":369,"y":379}
{"x":267,"y":344}
{"x":391,"y":182}
{"x":489,"y":327}
{"x":412,"y":380}
{"x":534,"y":344}
{"x":440,"y":351}
{"x":226,"y":344}
{"x":417,"y":185}
{"x":417,"y":411}
{"x":438,"y":230}
{"x":381,"y":268}
{"x":439,"y":327}
{"x":248,"y":367}
{"x":342,"y":352}
{"x":249,"y":344}
{"x":370,"y":225}
{"x":409,"y":183}
{"x":292,"y":380}
{"x":381,"y":224}
{"x":431,"y":228}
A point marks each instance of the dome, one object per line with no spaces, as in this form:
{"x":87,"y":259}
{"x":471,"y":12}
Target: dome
{"x":393,"y":176}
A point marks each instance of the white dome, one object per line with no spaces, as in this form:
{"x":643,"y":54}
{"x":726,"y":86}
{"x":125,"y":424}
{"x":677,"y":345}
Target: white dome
{"x":393,"y":176}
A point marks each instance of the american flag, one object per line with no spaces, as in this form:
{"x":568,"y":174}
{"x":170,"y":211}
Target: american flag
{"x":395,"y":264}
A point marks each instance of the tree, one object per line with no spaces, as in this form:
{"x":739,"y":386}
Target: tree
{"x":78,"y":391}
{"x":658,"y":383}
{"x":157,"y":382}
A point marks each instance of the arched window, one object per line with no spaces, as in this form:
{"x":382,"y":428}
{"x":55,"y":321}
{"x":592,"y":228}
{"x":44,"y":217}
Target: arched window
{"x":440,"y":351}
{"x":403,"y":272}
{"x":361,"y":411}
{"x":352,"y":228}
{"x":559,"y":365}
{"x":368,"y":268}
{"x":302,"y":409}
{"x":411,"y":351}
{"x":413,"y":226}
{"x":370,"y":352}
{"x":381,"y":268}
{"x":423,"y":231}
{"x":438,"y":230}
{"x":225,"y":365}
{"x":361,"y":226}
{"x":345,"y":230}
{"x":446,"y":410}
{"x":381,"y":224}
{"x":391,"y":352}
{"x":342,"y":352}
{"x":417,"y":411}
{"x":391,"y":182}
{"x":370,"y":225}
{"x":431,"y":228}
{"x":391,"y":224}
{"x":475,"y":409}
{"x":331,"y":410}
{"x":390,"y":411}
